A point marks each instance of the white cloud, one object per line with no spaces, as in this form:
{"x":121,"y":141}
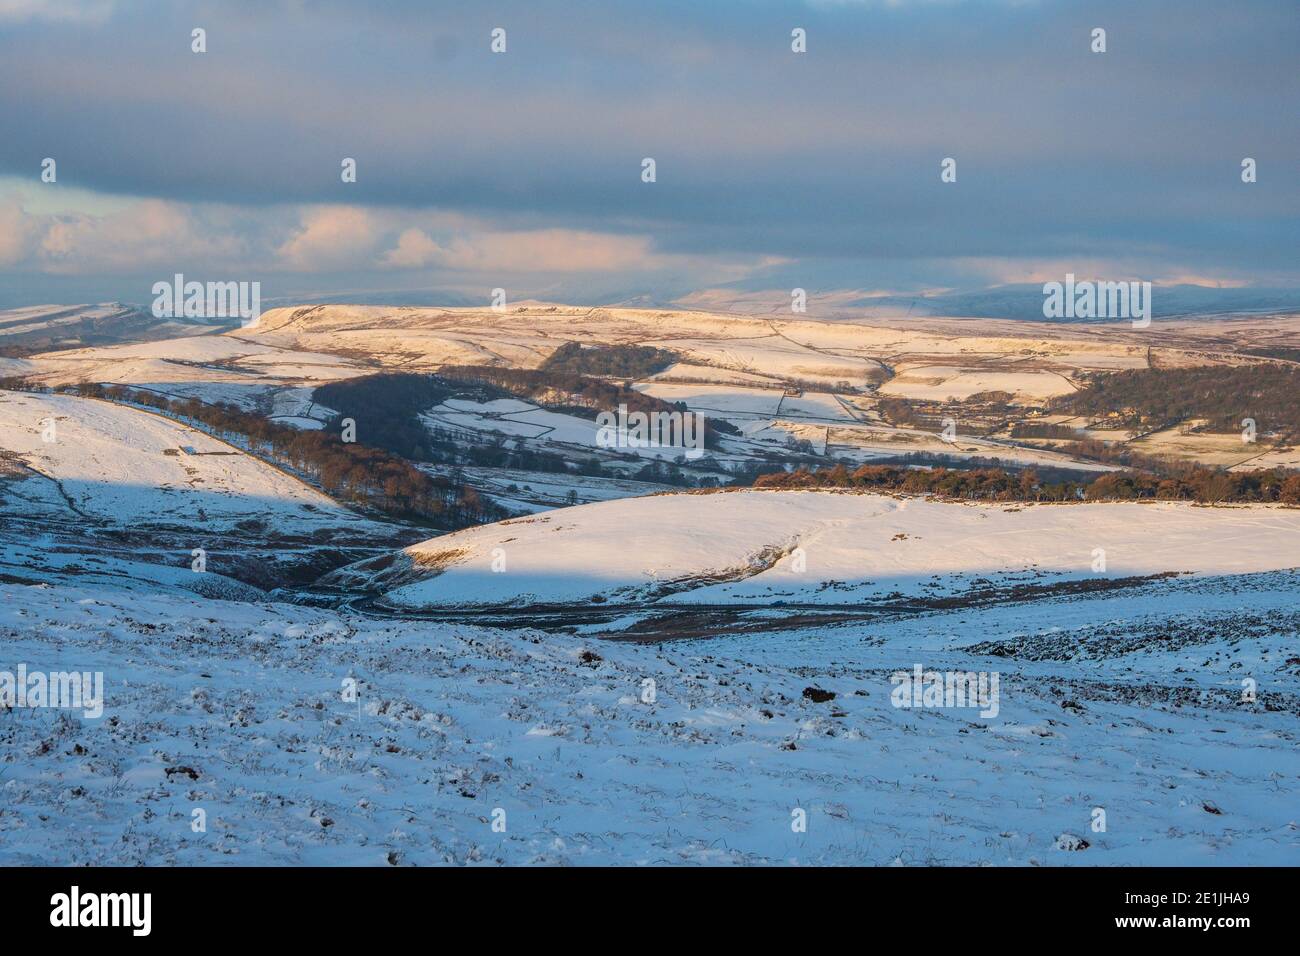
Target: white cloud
{"x":145,"y":234}
{"x":113,"y":236}
{"x":331,"y":237}
{"x":414,"y":250}
{"x":14,"y":232}
{"x":539,"y":250}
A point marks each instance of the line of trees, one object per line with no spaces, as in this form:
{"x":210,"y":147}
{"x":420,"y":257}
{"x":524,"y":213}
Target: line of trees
{"x":997,"y":484}
{"x":1281,"y":352}
{"x":1043,"y":430}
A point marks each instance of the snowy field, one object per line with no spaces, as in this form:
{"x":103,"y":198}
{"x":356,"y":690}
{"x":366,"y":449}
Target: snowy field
{"x":735,"y":367}
{"x":210,"y":368}
{"x":939,"y":383}
{"x":1128,"y":704}
{"x":716,"y":680}
{"x":103,"y":323}
{"x":228,"y":734}
{"x":522,"y":420}
{"x":1037,"y":358}
{"x":865,"y":442}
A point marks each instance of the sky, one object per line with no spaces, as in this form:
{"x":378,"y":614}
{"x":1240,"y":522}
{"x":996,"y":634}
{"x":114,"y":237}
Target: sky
{"x":523,"y":169}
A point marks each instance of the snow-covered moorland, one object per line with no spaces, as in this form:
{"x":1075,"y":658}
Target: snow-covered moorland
{"x":1141,"y":707}
{"x":585,"y":751}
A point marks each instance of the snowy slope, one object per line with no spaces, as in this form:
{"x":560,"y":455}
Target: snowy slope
{"x":818,"y":547}
{"x":48,"y":326}
{"x":127,"y":467}
{"x":236,"y":710}
{"x":210,"y":368}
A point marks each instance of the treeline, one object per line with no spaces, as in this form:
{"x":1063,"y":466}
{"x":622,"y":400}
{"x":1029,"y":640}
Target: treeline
{"x":923,"y":414}
{"x":1118,"y":453}
{"x":347,"y":471}
{"x":621,"y":361}
{"x":1269,"y":393}
{"x":1280,"y":352}
{"x":997,"y":484}
{"x":451,"y":446}
{"x":386,"y":409}
{"x":557,"y":389}
{"x":1043,"y":430}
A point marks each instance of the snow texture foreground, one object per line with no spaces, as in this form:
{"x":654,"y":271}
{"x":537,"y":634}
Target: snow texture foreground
{"x":1131,"y":703}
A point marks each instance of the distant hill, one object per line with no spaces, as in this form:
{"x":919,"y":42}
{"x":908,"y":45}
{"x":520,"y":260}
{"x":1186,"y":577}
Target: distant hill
{"x":44,"y":328}
{"x":765,"y":548}
{"x":1020,"y":302}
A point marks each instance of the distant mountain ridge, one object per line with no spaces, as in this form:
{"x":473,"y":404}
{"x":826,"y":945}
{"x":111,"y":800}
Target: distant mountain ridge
{"x":1019,"y":302}
{"x":43,"y":328}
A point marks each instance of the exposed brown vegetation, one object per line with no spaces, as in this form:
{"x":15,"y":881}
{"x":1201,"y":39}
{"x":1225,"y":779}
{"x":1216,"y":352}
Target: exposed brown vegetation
{"x":995,"y":484}
{"x":1223,"y":396}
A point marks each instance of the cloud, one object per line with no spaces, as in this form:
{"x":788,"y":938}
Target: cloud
{"x":413,"y":250}
{"x":541,"y":250}
{"x":323,"y":245}
{"x":149,"y":233}
{"x":530,"y":161}
{"x":1149,"y":268}
{"x":14,"y":232}
{"x":330,"y":237}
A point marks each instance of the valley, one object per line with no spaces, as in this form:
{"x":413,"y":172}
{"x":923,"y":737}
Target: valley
{"x":633,"y":656}
{"x":929,"y":389}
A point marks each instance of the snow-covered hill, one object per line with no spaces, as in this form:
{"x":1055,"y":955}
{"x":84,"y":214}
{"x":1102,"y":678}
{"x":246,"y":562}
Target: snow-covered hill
{"x":90,"y":488}
{"x":210,"y":368}
{"x":42,"y":327}
{"x":124,"y":465}
{"x":757,"y":547}
{"x":1034,"y":360}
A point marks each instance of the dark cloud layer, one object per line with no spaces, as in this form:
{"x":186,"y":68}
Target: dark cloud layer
{"x":833,"y":156}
